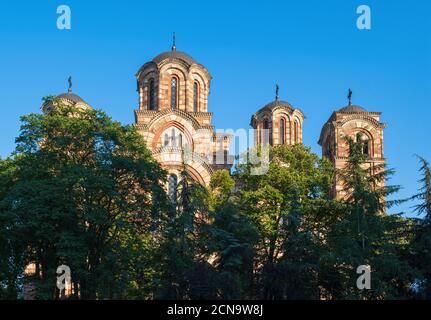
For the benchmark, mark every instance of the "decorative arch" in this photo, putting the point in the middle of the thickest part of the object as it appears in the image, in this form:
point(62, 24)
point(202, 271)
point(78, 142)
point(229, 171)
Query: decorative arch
point(172, 115)
point(159, 132)
point(172, 160)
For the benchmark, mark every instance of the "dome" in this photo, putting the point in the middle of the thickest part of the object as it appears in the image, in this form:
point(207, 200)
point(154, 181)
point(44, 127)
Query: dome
point(67, 98)
point(275, 104)
point(174, 55)
point(352, 109)
point(71, 97)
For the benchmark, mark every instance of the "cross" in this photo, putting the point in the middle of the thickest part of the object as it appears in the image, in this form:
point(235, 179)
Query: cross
point(349, 96)
point(174, 47)
point(70, 84)
point(276, 91)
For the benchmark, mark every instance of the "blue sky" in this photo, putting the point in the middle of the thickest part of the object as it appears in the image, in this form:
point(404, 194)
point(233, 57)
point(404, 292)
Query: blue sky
point(311, 48)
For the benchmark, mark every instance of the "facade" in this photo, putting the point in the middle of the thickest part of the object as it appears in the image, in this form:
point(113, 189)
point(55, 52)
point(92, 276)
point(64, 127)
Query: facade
point(174, 119)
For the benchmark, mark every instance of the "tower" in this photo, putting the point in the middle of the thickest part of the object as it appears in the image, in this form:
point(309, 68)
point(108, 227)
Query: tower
point(174, 120)
point(349, 121)
point(278, 122)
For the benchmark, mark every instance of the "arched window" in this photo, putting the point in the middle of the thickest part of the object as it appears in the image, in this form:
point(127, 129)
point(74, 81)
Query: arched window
point(282, 130)
point(174, 93)
point(173, 137)
point(366, 147)
point(172, 187)
point(265, 132)
point(151, 96)
point(195, 97)
point(295, 132)
point(166, 140)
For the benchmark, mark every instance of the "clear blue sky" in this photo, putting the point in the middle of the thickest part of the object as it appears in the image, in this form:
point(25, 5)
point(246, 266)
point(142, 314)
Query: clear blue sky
point(311, 48)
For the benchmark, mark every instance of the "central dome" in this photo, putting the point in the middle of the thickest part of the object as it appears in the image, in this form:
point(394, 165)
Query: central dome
point(174, 55)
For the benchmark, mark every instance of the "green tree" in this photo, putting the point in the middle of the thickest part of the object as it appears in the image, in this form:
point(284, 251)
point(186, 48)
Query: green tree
point(284, 207)
point(185, 270)
point(422, 239)
point(230, 239)
point(366, 235)
point(83, 194)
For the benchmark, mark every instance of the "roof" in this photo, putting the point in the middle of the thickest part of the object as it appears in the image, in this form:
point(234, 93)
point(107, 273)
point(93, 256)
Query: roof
point(352, 109)
point(174, 55)
point(71, 97)
point(276, 103)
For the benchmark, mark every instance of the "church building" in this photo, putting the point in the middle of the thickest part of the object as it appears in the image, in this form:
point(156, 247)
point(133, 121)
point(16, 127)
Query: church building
point(173, 118)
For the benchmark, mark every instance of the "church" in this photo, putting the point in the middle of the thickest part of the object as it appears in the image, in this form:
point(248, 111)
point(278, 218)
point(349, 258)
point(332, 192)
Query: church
point(173, 118)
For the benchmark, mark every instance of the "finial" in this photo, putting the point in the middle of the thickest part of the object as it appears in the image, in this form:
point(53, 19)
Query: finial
point(349, 96)
point(70, 84)
point(174, 47)
point(276, 91)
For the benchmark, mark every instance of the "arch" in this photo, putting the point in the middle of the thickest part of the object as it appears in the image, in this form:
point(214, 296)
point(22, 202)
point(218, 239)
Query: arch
point(183, 136)
point(368, 148)
point(178, 115)
point(173, 160)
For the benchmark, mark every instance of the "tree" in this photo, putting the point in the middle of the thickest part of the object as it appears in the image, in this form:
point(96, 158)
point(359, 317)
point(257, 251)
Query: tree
point(422, 239)
point(283, 205)
point(83, 194)
point(230, 239)
point(185, 270)
point(366, 235)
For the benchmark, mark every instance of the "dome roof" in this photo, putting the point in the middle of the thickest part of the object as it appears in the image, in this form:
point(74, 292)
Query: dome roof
point(174, 55)
point(71, 97)
point(352, 109)
point(276, 103)
point(67, 98)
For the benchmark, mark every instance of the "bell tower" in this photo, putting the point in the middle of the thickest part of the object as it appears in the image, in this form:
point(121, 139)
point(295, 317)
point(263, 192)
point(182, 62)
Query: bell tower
point(173, 116)
point(349, 121)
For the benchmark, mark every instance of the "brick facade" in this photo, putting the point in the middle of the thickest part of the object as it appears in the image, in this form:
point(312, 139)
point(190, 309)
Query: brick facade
point(349, 121)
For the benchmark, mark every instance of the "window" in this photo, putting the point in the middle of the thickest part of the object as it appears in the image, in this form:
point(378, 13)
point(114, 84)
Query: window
point(295, 133)
point(265, 132)
point(195, 97)
point(172, 187)
point(360, 136)
point(174, 93)
point(282, 130)
point(172, 137)
point(366, 147)
point(151, 96)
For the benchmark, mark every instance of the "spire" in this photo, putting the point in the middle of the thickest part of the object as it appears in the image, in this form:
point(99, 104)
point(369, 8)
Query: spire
point(349, 96)
point(69, 90)
point(276, 91)
point(174, 47)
